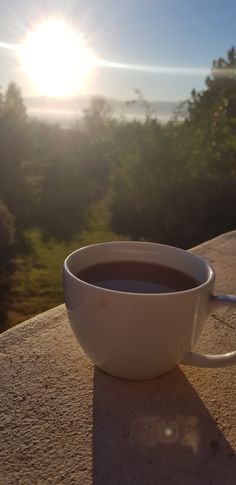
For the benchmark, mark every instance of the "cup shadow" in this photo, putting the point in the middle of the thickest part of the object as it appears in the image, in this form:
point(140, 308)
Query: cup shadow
point(156, 432)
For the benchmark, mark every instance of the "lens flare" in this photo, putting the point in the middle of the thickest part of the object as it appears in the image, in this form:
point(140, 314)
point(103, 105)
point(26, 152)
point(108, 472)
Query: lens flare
point(56, 58)
point(59, 62)
point(184, 71)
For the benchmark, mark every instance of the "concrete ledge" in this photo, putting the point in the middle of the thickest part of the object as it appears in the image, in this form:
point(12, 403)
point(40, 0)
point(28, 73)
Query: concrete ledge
point(64, 422)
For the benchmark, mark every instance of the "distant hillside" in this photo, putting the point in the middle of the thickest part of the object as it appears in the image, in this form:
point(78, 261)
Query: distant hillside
point(66, 110)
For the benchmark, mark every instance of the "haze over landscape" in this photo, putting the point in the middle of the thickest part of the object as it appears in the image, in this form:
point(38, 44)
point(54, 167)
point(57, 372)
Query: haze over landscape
point(67, 111)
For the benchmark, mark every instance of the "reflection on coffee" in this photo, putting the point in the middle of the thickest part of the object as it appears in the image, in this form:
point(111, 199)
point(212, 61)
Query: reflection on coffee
point(137, 277)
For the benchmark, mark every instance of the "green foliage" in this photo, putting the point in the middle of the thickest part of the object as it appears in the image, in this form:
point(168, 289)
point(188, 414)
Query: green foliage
point(177, 183)
point(7, 230)
point(36, 283)
point(15, 156)
point(107, 179)
point(211, 125)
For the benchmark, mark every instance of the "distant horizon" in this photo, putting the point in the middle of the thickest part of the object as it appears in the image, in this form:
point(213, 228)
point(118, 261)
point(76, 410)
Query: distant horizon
point(98, 95)
point(66, 111)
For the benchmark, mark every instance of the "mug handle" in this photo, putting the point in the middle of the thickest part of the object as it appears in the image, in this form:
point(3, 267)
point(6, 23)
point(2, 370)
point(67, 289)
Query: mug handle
point(218, 360)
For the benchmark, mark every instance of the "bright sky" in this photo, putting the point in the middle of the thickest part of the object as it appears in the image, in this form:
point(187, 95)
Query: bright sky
point(162, 47)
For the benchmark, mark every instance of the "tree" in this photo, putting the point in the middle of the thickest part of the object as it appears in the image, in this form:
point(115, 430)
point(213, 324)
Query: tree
point(15, 155)
point(210, 130)
point(96, 115)
point(13, 103)
point(7, 230)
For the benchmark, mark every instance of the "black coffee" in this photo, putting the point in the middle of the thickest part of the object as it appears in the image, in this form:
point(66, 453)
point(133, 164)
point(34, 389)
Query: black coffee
point(137, 277)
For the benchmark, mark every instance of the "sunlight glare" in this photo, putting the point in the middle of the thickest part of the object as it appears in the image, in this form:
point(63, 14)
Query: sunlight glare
point(56, 59)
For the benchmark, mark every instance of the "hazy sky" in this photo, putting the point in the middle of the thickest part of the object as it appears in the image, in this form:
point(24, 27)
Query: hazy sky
point(163, 33)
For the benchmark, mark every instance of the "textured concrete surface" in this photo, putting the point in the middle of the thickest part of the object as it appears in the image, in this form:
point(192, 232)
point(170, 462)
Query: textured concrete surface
point(64, 422)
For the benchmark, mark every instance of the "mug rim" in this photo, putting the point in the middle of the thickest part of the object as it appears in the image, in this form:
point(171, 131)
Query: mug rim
point(211, 276)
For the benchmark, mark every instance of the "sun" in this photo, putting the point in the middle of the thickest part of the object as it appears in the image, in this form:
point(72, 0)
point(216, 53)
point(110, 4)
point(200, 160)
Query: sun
point(56, 59)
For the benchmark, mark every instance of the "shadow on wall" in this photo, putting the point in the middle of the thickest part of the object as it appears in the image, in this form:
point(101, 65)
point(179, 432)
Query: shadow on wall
point(156, 432)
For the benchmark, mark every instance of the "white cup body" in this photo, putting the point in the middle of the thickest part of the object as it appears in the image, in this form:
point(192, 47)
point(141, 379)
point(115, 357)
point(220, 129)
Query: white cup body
point(136, 335)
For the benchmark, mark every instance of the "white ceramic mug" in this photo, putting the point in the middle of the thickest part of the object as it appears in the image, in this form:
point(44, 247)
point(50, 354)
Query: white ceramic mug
point(141, 335)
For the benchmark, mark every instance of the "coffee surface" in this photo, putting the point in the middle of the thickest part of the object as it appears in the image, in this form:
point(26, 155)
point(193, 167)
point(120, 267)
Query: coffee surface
point(137, 277)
